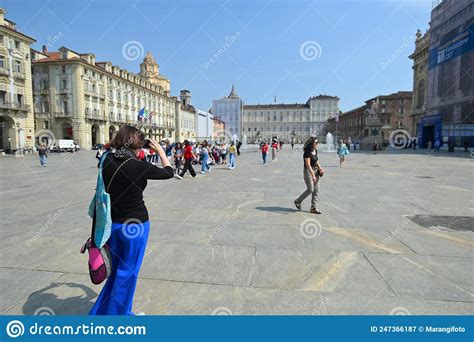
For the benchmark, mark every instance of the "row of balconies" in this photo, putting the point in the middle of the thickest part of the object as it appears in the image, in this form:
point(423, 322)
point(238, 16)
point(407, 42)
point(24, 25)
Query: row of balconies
point(101, 117)
point(14, 106)
point(16, 74)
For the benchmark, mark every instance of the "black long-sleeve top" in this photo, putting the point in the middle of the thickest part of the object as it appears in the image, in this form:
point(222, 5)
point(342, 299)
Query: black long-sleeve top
point(126, 189)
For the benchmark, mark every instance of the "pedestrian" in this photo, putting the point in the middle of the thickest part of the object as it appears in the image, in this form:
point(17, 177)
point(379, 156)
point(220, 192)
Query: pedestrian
point(375, 147)
point(178, 157)
point(281, 144)
point(124, 174)
point(205, 157)
point(274, 151)
point(312, 172)
point(189, 156)
point(216, 153)
point(437, 145)
point(43, 154)
point(342, 151)
point(239, 145)
point(429, 146)
point(223, 153)
point(292, 143)
point(264, 152)
point(232, 152)
point(385, 146)
point(414, 143)
point(466, 145)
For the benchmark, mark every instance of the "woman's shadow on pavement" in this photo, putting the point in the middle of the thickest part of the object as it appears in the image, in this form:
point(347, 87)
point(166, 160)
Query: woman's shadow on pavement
point(281, 210)
point(56, 299)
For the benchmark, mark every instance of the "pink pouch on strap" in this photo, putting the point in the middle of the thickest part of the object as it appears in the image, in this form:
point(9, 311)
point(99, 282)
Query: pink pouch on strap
point(100, 262)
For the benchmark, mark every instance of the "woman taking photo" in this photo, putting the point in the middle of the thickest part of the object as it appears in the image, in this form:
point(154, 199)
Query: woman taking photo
point(311, 173)
point(125, 178)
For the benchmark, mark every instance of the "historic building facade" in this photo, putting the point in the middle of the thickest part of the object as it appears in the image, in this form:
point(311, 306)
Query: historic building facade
point(229, 109)
point(185, 118)
point(375, 121)
point(218, 133)
point(289, 121)
point(450, 100)
point(420, 79)
point(17, 129)
point(78, 98)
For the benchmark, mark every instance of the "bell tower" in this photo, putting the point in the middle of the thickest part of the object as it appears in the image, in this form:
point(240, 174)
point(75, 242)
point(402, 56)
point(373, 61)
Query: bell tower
point(150, 71)
point(149, 68)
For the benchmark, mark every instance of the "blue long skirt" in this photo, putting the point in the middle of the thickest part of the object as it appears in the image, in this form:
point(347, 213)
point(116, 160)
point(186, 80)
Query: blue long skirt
point(127, 244)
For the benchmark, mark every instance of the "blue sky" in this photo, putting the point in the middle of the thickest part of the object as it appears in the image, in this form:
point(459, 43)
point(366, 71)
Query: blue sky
point(288, 49)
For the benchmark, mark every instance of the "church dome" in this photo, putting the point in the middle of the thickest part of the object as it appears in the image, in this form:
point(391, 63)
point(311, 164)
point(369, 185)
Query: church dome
point(149, 58)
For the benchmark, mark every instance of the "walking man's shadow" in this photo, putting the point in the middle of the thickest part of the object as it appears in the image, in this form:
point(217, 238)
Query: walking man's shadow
point(281, 210)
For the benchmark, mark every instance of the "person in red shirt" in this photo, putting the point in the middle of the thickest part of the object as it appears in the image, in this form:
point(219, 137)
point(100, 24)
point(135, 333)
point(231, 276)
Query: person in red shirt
point(274, 151)
point(188, 158)
point(264, 152)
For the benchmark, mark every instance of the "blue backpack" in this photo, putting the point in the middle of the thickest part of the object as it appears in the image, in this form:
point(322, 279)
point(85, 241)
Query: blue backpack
point(100, 207)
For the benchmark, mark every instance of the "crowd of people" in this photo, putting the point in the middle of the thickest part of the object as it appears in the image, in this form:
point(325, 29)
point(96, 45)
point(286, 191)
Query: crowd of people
point(183, 157)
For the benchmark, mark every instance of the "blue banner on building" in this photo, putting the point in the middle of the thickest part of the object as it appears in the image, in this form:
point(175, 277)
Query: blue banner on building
point(237, 328)
point(452, 48)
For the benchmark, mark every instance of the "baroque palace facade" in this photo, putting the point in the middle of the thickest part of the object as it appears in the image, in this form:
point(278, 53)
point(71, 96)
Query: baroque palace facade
point(76, 97)
point(288, 121)
point(16, 100)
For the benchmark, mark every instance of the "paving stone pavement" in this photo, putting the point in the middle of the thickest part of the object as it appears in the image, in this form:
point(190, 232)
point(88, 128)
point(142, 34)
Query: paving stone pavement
point(231, 242)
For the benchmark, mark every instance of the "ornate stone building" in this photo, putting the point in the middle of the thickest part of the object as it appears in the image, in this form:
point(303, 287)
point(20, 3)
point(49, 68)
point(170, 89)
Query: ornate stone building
point(450, 99)
point(218, 133)
point(16, 99)
point(375, 120)
point(229, 109)
point(288, 121)
point(420, 79)
point(150, 71)
point(78, 98)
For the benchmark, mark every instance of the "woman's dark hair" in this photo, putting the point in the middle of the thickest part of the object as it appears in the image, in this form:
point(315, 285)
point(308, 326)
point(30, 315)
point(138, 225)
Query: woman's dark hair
point(178, 144)
point(308, 145)
point(128, 137)
point(186, 143)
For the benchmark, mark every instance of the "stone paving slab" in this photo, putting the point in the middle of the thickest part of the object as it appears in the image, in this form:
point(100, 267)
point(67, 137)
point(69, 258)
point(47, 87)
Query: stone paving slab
point(18, 284)
point(205, 299)
point(439, 243)
point(428, 277)
point(198, 263)
point(357, 304)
